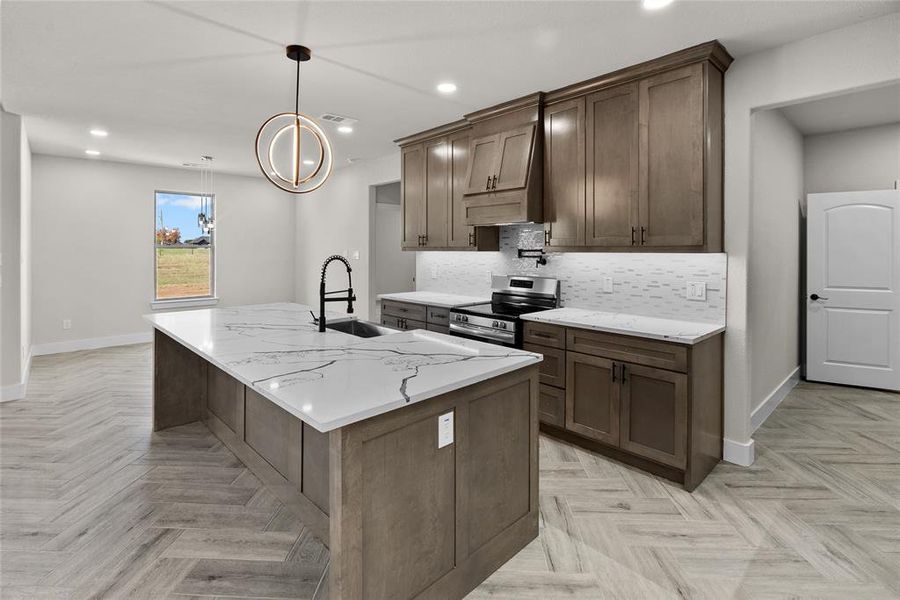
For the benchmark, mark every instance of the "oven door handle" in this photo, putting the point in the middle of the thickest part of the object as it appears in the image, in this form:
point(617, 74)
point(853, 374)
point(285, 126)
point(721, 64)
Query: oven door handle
point(508, 337)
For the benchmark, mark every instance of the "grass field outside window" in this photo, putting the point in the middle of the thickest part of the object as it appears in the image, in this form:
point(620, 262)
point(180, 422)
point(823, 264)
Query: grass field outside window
point(183, 251)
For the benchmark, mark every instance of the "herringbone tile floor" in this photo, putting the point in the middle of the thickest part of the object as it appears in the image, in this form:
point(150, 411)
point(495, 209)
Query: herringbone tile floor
point(94, 505)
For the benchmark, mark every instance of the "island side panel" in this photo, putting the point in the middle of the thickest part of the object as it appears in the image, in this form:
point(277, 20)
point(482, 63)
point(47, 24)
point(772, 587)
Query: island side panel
point(401, 506)
point(179, 383)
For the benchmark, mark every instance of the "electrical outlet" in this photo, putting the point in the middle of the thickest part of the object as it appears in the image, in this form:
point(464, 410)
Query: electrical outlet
point(696, 290)
point(354, 255)
point(607, 285)
point(67, 323)
point(434, 271)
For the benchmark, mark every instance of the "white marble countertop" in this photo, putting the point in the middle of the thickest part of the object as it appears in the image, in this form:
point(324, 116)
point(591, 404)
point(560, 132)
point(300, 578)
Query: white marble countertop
point(333, 379)
point(434, 299)
point(670, 330)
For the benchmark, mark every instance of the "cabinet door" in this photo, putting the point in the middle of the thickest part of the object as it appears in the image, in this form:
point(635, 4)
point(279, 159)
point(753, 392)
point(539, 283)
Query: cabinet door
point(514, 156)
point(412, 194)
point(654, 414)
point(482, 162)
point(592, 397)
point(457, 230)
point(671, 158)
point(612, 167)
point(437, 193)
point(564, 175)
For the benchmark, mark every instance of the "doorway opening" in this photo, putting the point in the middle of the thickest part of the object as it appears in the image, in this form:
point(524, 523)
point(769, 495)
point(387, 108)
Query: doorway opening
point(393, 270)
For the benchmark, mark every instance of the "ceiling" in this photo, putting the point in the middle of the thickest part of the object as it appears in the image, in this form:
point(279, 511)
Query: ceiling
point(865, 108)
point(172, 81)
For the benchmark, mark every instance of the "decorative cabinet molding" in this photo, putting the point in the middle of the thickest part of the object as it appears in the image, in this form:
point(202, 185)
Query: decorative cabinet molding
point(630, 161)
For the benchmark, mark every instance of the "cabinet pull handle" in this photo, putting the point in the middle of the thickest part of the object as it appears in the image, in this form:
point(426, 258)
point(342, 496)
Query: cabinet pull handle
point(643, 230)
point(425, 240)
point(613, 372)
point(488, 184)
point(471, 238)
point(494, 184)
point(623, 373)
point(632, 236)
point(546, 237)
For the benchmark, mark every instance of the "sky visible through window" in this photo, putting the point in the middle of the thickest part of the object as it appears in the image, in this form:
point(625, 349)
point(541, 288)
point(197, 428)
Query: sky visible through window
point(179, 210)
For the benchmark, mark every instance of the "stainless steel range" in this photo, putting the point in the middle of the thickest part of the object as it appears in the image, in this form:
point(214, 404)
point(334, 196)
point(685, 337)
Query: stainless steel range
point(498, 321)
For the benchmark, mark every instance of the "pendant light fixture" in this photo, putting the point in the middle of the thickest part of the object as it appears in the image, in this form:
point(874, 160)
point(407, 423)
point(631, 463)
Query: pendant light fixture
point(205, 218)
point(291, 149)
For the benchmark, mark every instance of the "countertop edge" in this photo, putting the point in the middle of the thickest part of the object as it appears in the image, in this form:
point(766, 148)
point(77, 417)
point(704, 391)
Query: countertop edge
point(691, 341)
point(393, 296)
point(527, 360)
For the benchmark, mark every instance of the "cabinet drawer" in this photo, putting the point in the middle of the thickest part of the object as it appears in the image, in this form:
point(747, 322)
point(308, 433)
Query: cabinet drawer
point(401, 322)
point(414, 312)
point(438, 328)
point(438, 316)
point(545, 335)
point(553, 367)
point(663, 355)
point(552, 405)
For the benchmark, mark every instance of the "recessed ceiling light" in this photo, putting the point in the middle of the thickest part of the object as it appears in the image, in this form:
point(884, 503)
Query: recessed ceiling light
point(345, 129)
point(656, 4)
point(309, 162)
point(446, 87)
point(92, 152)
point(99, 132)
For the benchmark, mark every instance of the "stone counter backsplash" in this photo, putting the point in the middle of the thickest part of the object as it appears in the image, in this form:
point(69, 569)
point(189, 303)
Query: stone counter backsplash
point(643, 283)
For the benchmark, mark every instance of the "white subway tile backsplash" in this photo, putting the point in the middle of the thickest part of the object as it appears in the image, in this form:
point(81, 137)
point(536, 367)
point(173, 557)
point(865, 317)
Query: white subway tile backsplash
point(643, 283)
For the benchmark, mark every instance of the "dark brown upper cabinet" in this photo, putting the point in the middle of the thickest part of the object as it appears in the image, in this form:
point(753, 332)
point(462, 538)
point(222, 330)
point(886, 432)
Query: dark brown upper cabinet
point(564, 173)
point(612, 159)
point(433, 168)
point(652, 157)
point(630, 161)
point(412, 194)
point(671, 205)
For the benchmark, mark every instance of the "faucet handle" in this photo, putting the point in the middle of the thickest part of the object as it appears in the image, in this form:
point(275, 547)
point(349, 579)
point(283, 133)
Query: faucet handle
point(314, 318)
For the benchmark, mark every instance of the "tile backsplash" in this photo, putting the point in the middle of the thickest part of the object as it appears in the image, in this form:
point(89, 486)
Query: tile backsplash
point(643, 283)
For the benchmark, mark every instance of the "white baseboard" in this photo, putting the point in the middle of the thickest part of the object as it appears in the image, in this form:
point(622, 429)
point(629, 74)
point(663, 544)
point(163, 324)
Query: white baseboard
point(92, 343)
point(12, 392)
point(768, 406)
point(739, 453)
point(17, 391)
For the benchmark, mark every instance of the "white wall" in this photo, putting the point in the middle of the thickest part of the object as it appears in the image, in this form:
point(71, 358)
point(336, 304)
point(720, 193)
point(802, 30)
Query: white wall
point(93, 244)
point(774, 257)
point(14, 193)
point(336, 219)
point(25, 258)
point(855, 57)
point(854, 160)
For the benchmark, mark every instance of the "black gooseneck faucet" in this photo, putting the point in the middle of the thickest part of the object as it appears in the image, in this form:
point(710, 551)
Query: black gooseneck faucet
point(322, 293)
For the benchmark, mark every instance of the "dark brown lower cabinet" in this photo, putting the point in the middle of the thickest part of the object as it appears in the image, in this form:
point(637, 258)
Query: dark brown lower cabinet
point(592, 397)
point(610, 393)
point(653, 423)
point(552, 405)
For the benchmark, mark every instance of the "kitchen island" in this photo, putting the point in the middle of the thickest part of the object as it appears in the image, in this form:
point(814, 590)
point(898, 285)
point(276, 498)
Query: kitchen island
point(412, 455)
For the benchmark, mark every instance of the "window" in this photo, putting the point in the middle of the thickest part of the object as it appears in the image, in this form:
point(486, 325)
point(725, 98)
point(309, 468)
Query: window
point(184, 254)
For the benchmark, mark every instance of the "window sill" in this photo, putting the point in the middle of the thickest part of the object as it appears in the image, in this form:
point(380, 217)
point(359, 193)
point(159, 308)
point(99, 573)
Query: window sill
point(183, 303)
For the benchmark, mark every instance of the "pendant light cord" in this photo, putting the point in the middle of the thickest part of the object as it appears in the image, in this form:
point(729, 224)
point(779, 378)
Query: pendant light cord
point(297, 92)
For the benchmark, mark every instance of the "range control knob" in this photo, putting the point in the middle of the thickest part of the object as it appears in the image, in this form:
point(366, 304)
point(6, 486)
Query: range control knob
point(503, 324)
point(495, 324)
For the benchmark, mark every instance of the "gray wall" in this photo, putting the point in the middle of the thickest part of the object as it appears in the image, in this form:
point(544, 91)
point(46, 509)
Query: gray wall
point(854, 160)
point(93, 244)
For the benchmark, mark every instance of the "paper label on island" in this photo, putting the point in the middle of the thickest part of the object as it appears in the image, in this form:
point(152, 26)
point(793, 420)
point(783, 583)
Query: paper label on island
point(445, 429)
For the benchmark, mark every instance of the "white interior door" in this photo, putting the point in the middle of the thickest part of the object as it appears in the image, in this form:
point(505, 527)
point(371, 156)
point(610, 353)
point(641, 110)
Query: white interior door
point(852, 280)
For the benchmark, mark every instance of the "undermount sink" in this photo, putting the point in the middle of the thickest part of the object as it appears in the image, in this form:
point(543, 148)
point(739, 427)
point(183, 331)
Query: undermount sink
point(362, 329)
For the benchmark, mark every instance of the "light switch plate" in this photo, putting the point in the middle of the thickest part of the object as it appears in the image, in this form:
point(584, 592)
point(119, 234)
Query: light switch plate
point(354, 255)
point(696, 290)
point(434, 271)
point(607, 285)
point(445, 429)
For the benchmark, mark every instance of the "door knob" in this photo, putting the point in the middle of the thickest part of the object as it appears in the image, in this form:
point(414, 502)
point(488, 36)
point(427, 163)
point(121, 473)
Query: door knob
point(816, 297)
